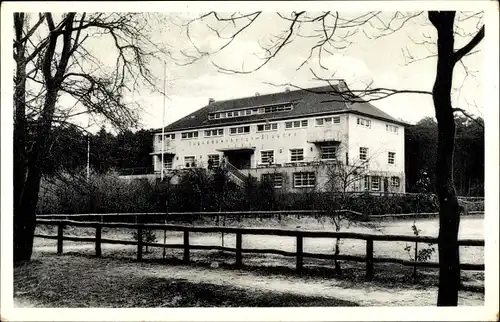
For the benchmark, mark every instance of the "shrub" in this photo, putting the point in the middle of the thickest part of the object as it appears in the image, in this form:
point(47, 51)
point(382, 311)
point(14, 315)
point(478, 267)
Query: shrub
point(208, 191)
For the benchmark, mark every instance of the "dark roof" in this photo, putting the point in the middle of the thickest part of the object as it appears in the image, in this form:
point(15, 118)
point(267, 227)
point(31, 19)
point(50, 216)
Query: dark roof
point(311, 101)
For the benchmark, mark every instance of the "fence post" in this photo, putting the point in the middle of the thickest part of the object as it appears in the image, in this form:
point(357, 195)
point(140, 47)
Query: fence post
point(369, 259)
point(139, 243)
point(415, 259)
point(300, 246)
point(238, 249)
point(60, 231)
point(98, 238)
point(186, 246)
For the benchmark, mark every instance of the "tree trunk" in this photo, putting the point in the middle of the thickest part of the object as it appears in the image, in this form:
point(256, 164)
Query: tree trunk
point(19, 133)
point(449, 213)
point(25, 206)
point(338, 267)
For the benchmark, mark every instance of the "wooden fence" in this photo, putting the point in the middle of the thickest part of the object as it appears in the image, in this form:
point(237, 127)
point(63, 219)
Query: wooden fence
point(299, 254)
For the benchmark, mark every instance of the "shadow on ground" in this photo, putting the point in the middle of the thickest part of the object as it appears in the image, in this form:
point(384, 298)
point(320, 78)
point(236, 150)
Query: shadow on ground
point(76, 281)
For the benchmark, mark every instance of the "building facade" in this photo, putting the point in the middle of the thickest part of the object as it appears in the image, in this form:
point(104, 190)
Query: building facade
point(300, 139)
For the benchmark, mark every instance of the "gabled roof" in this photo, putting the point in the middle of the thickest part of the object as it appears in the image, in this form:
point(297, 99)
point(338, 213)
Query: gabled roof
point(307, 102)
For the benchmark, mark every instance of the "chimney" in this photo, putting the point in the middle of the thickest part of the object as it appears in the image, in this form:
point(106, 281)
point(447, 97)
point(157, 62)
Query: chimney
point(211, 100)
point(287, 90)
point(257, 94)
point(342, 85)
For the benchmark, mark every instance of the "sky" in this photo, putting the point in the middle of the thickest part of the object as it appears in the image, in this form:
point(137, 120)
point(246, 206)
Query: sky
point(395, 61)
point(380, 61)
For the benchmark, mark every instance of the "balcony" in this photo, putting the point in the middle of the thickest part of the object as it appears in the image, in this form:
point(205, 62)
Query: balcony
point(324, 136)
point(168, 148)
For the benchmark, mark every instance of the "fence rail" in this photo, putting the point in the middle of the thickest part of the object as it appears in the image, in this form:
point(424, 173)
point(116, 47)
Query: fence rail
point(253, 213)
point(239, 232)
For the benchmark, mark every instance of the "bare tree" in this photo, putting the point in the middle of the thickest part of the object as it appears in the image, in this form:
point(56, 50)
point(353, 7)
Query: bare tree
point(54, 60)
point(329, 32)
point(341, 180)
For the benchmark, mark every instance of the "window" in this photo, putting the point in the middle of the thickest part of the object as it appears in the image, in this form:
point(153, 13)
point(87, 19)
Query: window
point(217, 115)
point(391, 157)
point(363, 153)
point(214, 132)
point(239, 130)
point(167, 136)
point(295, 124)
point(328, 120)
point(248, 112)
point(366, 182)
point(190, 135)
point(304, 179)
point(296, 155)
point(214, 159)
point(189, 162)
point(266, 156)
point(328, 152)
point(395, 181)
point(167, 163)
point(275, 178)
point(277, 108)
point(391, 128)
point(211, 116)
point(375, 183)
point(267, 127)
point(363, 122)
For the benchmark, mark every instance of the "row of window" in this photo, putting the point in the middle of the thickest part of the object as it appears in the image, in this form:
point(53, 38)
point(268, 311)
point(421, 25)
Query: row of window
point(251, 111)
point(376, 182)
point(363, 155)
point(363, 122)
point(274, 126)
point(300, 179)
point(391, 128)
point(327, 120)
point(190, 161)
point(296, 155)
point(245, 129)
point(308, 180)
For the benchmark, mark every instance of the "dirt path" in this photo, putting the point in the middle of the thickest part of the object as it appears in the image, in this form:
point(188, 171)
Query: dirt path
point(365, 294)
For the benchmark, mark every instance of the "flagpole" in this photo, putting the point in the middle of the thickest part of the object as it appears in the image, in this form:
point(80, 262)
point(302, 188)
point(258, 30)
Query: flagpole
point(88, 147)
point(163, 122)
point(163, 151)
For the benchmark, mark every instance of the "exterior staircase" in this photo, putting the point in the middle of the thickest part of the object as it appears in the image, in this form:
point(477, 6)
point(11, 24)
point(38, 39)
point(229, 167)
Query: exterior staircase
point(236, 175)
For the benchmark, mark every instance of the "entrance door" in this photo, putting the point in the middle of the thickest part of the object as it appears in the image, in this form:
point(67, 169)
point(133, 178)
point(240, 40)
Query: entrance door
point(240, 159)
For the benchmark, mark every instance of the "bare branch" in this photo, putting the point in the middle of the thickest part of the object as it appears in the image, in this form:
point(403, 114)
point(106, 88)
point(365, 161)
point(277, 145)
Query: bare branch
point(460, 53)
point(467, 115)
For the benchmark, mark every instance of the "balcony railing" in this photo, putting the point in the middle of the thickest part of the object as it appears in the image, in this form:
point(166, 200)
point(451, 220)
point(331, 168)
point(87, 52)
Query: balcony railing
point(135, 171)
point(324, 136)
point(168, 147)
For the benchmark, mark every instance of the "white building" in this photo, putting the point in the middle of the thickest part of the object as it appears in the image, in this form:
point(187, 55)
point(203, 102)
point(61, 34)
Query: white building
point(294, 136)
